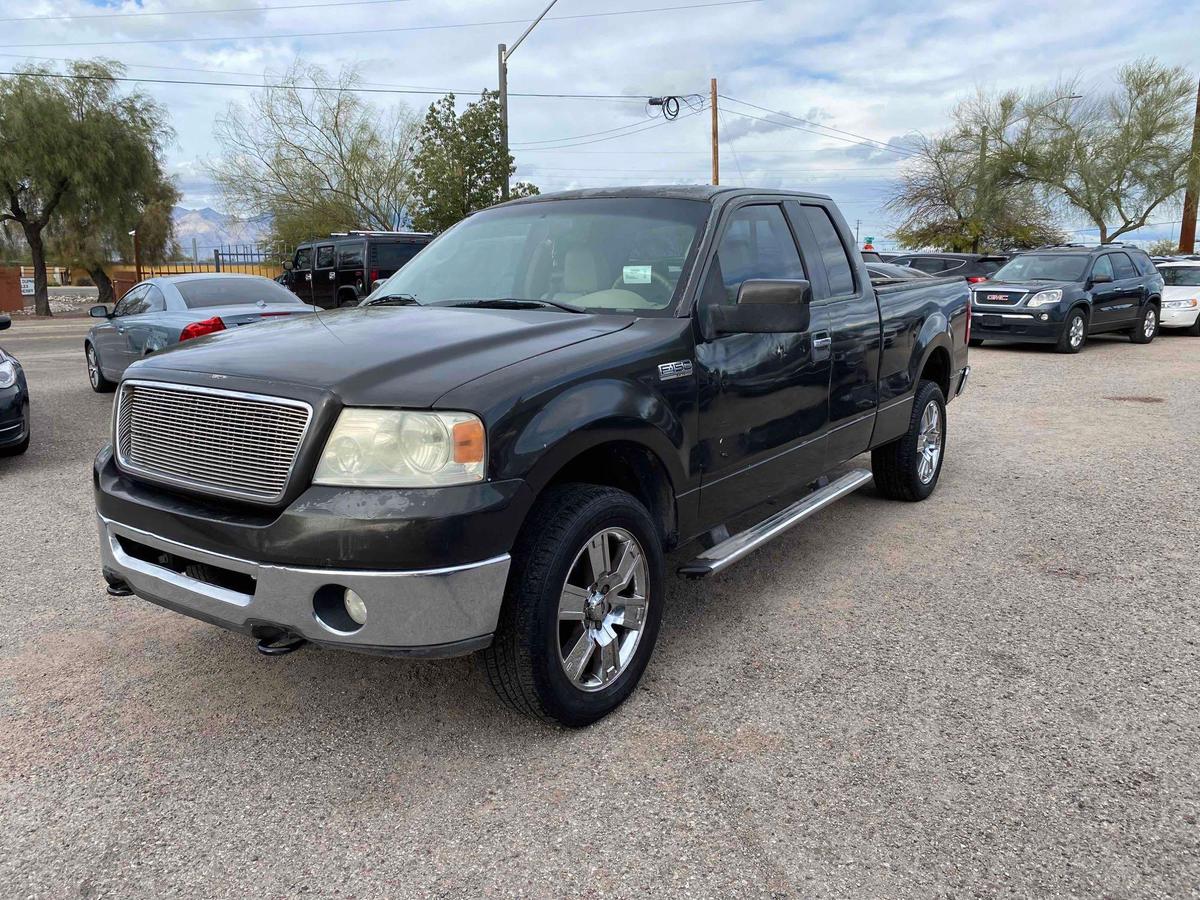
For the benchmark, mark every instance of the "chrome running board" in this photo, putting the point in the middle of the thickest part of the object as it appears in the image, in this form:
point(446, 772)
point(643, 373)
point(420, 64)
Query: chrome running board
point(732, 549)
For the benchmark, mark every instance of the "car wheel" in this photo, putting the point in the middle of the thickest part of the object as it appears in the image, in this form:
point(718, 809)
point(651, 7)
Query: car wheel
point(1194, 330)
point(100, 384)
point(1074, 333)
point(582, 609)
point(18, 449)
point(1147, 327)
point(908, 468)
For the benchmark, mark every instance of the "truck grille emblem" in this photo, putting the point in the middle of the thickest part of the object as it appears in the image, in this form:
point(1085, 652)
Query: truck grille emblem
point(679, 369)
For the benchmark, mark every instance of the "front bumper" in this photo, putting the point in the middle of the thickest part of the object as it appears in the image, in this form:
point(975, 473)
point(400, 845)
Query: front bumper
point(13, 425)
point(428, 613)
point(1016, 325)
point(1178, 318)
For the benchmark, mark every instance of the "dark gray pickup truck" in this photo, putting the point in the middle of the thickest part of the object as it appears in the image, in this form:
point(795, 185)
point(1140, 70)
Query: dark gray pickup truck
point(494, 451)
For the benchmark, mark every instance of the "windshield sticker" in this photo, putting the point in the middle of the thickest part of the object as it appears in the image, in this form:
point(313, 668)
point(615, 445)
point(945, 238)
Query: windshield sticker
point(636, 274)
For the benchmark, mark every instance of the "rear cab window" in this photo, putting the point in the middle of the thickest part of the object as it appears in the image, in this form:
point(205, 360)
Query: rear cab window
point(839, 271)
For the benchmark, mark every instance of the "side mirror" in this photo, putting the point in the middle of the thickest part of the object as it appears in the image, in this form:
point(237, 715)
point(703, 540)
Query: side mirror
point(1102, 279)
point(766, 306)
point(287, 265)
point(5, 322)
point(99, 312)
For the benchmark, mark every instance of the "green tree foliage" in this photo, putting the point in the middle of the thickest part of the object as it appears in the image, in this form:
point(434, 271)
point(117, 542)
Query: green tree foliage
point(1114, 157)
point(954, 195)
point(95, 219)
point(460, 164)
point(315, 157)
point(1163, 247)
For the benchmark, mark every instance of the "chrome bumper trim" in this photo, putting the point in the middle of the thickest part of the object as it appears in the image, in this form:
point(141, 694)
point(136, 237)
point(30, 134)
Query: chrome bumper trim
point(406, 610)
point(980, 315)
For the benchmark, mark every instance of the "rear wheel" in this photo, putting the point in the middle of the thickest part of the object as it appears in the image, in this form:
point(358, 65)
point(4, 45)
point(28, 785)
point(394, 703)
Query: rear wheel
point(100, 384)
point(1147, 327)
point(582, 609)
point(908, 468)
point(1074, 333)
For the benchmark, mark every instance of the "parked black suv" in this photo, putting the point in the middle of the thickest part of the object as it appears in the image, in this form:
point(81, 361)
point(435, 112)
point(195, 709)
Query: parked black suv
point(974, 267)
point(1061, 294)
point(340, 270)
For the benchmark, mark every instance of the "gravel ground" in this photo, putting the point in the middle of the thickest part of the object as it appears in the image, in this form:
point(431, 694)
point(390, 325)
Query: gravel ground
point(993, 692)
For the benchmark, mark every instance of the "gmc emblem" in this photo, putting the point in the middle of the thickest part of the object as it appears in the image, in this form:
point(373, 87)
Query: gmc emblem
point(997, 298)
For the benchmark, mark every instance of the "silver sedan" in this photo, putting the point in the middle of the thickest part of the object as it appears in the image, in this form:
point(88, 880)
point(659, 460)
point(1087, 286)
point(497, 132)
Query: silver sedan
point(159, 312)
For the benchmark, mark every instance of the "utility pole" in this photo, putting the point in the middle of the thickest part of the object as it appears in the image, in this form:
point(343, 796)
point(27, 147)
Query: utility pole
point(716, 152)
point(502, 55)
point(1191, 196)
point(137, 255)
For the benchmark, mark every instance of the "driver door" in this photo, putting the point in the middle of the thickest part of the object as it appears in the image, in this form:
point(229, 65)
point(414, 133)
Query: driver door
point(764, 398)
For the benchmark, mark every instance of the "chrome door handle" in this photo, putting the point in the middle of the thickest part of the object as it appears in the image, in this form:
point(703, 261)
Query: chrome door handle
point(822, 341)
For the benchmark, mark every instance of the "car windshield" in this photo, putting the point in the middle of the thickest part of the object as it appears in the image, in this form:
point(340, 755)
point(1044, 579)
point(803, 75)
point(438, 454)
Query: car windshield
point(1181, 276)
point(601, 255)
point(1043, 267)
point(205, 292)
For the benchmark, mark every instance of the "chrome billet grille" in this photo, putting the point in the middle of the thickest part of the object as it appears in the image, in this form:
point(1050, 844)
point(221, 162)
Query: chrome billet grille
point(215, 442)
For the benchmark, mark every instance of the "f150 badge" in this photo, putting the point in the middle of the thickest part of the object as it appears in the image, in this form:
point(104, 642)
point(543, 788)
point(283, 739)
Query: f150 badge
point(679, 369)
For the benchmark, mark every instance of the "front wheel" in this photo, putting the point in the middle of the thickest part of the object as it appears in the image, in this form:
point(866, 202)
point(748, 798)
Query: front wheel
point(1146, 328)
point(100, 384)
point(582, 609)
point(908, 468)
point(1074, 333)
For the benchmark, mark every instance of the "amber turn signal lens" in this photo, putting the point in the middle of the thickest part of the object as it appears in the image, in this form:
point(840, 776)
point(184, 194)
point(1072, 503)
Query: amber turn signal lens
point(468, 442)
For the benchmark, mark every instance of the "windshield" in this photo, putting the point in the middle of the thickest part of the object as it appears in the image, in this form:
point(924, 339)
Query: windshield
point(602, 255)
point(1181, 276)
point(1043, 267)
point(205, 292)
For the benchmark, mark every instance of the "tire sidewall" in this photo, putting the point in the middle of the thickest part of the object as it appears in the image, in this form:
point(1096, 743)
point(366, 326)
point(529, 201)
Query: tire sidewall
point(1066, 345)
point(928, 393)
point(563, 700)
point(1139, 333)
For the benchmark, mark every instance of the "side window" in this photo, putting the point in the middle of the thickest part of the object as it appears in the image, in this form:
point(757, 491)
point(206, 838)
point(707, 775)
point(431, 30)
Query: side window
point(1103, 266)
point(132, 303)
point(350, 256)
point(303, 258)
point(1143, 263)
point(1122, 266)
point(833, 252)
point(929, 264)
point(325, 257)
point(757, 244)
point(155, 301)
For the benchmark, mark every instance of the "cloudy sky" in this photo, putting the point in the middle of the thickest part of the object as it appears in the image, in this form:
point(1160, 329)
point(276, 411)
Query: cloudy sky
point(851, 78)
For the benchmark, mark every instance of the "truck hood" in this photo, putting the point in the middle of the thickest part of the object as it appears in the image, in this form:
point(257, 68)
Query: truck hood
point(381, 356)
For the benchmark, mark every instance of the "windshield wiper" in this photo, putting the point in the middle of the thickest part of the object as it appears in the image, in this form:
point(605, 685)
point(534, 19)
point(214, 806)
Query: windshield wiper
point(516, 303)
point(394, 300)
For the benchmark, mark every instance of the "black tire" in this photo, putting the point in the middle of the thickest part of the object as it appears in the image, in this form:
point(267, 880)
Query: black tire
point(1194, 329)
point(897, 465)
point(1147, 321)
point(347, 299)
point(100, 384)
point(1072, 340)
point(525, 663)
point(18, 449)
point(975, 342)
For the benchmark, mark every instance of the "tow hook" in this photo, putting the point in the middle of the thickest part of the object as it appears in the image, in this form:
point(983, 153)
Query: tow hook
point(268, 647)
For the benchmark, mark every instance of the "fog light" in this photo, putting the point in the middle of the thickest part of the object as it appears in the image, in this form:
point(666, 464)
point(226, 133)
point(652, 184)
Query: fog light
point(1045, 317)
point(356, 609)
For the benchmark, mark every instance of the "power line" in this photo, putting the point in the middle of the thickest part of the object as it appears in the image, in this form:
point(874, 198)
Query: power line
point(883, 145)
point(196, 12)
point(328, 34)
point(524, 144)
point(625, 134)
point(819, 133)
point(310, 87)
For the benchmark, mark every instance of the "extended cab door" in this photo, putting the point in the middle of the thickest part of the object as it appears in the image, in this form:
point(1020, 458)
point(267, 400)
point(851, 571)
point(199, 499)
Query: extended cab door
point(764, 398)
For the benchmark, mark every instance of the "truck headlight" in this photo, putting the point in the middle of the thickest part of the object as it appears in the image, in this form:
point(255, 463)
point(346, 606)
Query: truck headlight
point(402, 449)
point(1044, 298)
point(1190, 303)
point(8, 373)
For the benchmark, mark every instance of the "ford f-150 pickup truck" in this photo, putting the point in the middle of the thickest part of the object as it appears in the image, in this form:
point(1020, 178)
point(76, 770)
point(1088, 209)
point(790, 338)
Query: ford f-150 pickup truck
point(494, 450)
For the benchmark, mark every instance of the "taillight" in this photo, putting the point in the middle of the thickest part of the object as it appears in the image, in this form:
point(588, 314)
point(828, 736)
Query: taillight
point(374, 276)
point(200, 329)
point(975, 279)
point(968, 337)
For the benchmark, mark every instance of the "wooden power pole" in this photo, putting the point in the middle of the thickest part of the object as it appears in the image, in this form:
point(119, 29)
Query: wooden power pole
point(1191, 196)
point(716, 153)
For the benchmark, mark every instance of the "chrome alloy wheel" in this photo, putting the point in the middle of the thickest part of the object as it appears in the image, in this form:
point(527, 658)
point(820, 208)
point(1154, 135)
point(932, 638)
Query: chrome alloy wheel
point(929, 442)
point(602, 609)
point(1150, 323)
point(93, 367)
point(1076, 334)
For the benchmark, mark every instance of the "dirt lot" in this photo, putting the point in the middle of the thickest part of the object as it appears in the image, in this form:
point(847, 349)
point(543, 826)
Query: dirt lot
point(993, 692)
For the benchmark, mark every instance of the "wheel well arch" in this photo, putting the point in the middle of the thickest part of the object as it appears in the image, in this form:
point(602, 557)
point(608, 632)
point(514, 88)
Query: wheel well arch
point(631, 467)
point(937, 368)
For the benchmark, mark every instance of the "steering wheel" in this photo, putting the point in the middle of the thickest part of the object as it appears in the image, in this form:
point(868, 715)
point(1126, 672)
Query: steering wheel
point(655, 278)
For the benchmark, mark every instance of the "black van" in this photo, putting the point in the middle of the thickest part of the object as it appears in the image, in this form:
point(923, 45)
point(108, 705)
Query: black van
point(340, 269)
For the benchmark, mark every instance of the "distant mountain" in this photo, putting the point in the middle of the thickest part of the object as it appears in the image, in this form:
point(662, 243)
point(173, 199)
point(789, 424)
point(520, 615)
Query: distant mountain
point(211, 229)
